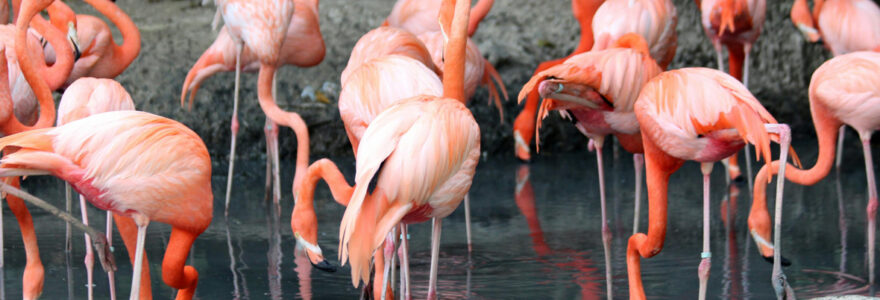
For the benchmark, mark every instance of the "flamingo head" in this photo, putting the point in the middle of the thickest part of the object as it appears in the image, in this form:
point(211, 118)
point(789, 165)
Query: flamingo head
point(575, 93)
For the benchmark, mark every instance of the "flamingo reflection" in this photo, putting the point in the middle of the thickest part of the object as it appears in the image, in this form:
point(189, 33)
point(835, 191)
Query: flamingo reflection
point(588, 276)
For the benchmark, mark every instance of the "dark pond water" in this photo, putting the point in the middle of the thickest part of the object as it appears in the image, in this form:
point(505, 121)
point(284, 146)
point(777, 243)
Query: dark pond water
point(543, 242)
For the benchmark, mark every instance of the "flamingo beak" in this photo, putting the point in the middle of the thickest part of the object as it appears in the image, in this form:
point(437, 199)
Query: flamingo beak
point(316, 257)
point(576, 93)
point(71, 36)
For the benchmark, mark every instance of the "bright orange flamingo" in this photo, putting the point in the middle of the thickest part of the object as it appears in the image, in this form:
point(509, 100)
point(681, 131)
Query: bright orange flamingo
point(381, 60)
point(262, 27)
point(844, 26)
point(845, 90)
point(597, 90)
point(678, 124)
point(85, 97)
point(419, 17)
point(135, 164)
point(40, 77)
point(735, 24)
point(413, 185)
point(100, 57)
point(524, 124)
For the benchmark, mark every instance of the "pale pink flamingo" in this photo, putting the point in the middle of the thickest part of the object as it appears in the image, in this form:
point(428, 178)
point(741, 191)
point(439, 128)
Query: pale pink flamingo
point(844, 26)
point(413, 185)
point(845, 90)
point(419, 17)
point(654, 20)
point(262, 27)
point(85, 97)
point(737, 25)
point(384, 41)
point(678, 124)
point(135, 164)
point(597, 90)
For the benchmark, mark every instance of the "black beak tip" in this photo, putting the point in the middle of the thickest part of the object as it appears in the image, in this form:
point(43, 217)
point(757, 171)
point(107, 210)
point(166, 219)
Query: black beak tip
point(325, 266)
point(784, 261)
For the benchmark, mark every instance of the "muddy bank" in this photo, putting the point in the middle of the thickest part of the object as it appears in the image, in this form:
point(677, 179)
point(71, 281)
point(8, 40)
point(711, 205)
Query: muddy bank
point(515, 37)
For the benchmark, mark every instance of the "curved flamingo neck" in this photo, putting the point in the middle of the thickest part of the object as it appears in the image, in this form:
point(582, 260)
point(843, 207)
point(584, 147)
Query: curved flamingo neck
point(453, 69)
point(123, 54)
point(480, 10)
point(281, 117)
point(40, 82)
point(817, 8)
point(60, 15)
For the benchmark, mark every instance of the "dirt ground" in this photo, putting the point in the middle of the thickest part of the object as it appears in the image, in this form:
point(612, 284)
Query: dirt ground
point(515, 37)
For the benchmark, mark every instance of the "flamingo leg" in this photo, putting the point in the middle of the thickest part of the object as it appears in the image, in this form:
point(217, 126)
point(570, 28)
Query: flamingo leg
point(718, 54)
point(783, 289)
point(606, 232)
point(276, 162)
point(90, 258)
point(840, 136)
point(436, 227)
point(234, 126)
point(111, 274)
point(388, 255)
point(706, 255)
point(404, 262)
point(745, 80)
point(68, 205)
point(142, 223)
point(638, 164)
point(872, 203)
point(272, 182)
point(467, 221)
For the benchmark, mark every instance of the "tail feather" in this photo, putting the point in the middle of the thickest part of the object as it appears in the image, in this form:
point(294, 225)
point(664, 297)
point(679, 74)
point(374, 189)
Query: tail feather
point(633, 41)
point(727, 15)
point(490, 74)
point(37, 139)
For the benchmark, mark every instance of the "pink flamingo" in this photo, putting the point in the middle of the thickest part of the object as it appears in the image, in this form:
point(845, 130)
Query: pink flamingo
point(262, 28)
point(395, 140)
point(85, 97)
point(677, 124)
point(135, 164)
point(735, 24)
point(843, 91)
point(419, 17)
point(597, 90)
point(654, 20)
point(844, 26)
point(524, 124)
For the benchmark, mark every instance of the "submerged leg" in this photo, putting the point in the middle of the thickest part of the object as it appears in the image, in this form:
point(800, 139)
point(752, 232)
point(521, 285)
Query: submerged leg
point(467, 221)
point(271, 131)
point(276, 163)
point(606, 232)
point(638, 164)
point(435, 257)
point(90, 258)
point(234, 126)
point(706, 255)
point(68, 205)
point(872, 203)
point(111, 274)
point(783, 289)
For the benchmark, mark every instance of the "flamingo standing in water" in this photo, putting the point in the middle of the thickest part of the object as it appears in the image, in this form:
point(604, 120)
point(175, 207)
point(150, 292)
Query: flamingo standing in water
point(414, 185)
point(381, 60)
point(845, 90)
point(844, 26)
point(136, 164)
point(262, 28)
point(85, 97)
point(597, 90)
point(737, 25)
point(678, 124)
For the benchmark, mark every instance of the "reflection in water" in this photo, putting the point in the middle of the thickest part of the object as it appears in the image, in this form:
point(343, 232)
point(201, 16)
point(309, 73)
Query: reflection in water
point(732, 281)
point(587, 277)
point(274, 254)
point(68, 257)
point(236, 294)
point(303, 273)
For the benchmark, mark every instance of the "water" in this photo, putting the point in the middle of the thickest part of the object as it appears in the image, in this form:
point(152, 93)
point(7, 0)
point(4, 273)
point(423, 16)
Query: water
point(543, 242)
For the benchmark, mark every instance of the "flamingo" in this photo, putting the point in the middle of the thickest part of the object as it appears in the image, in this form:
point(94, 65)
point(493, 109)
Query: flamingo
point(101, 57)
point(843, 91)
point(40, 77)
point(432, 182)
point(678, 124)
point(844, 26)
point(419, 17)
point(85, 97)
point(580, 88)
point(261, 27)
point(524, 124)
point(735, 24)
point(136, 164)
point(379, 62)
point(654, 20)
